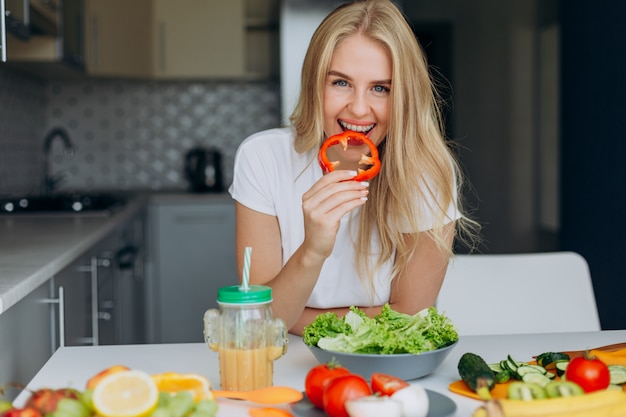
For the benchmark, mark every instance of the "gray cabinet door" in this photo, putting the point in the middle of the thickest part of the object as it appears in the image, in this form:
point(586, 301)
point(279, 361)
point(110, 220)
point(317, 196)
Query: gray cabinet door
point(193, 255)
point(26, 337)
point(104, 290)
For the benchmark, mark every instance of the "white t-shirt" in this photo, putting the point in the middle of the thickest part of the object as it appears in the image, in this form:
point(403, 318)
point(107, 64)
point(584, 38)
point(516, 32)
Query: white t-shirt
point(270, 177)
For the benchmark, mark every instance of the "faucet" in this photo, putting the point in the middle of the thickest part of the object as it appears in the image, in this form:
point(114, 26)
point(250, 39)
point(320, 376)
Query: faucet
point(50, 181)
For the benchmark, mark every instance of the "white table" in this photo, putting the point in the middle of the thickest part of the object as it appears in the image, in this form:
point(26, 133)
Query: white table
point(72, 366)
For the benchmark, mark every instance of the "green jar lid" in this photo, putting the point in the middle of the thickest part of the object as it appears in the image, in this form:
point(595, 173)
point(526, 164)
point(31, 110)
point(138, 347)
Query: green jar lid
point(235, 294)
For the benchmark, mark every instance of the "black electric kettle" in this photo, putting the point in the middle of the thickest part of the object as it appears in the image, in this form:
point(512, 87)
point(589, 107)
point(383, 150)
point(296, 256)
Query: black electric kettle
point(203, 169)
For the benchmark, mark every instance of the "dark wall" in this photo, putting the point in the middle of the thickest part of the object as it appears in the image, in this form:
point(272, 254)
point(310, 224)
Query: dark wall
point(593, 147)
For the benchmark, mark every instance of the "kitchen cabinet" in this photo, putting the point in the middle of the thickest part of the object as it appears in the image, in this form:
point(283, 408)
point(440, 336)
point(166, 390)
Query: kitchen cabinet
point(198, 38)
point(151, 39)
point(26, 342)
point(117, 37)
point(192, 255)
point(163, 39)
point(55, 47)
point(104, 290)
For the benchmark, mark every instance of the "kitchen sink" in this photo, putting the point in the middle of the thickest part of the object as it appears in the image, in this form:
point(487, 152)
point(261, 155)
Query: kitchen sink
point(62, 205)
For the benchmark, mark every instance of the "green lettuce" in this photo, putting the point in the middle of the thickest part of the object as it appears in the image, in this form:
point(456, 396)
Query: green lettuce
point(389, 332)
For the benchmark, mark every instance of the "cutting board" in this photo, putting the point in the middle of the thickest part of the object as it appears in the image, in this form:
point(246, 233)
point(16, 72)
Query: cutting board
point(500, 390)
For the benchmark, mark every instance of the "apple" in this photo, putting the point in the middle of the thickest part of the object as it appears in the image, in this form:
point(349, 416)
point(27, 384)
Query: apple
point(94, 380)
point(22, 412)
point(46, 399)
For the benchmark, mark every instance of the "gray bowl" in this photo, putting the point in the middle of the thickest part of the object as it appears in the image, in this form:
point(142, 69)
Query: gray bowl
point(406, 365)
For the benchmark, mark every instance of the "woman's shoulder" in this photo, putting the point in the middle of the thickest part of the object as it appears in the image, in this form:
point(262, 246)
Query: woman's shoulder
point(283, 135)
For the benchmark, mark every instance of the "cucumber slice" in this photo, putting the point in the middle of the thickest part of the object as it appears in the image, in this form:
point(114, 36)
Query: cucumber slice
point(618, 374)
point(538, 368)
point(536, 378)
point(502, 375)
point(495, 367)
point(528, 369)
point(525, 391)
point(563, 389)
point(504, 364)
point(547, 359)
point(514, 364)
point(560, 367)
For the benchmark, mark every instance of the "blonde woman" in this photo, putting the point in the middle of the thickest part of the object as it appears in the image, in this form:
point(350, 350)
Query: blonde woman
point(324, 242)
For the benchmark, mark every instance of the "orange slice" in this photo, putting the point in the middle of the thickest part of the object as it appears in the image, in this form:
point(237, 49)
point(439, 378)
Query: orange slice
point(130, 393)
point(172, 382)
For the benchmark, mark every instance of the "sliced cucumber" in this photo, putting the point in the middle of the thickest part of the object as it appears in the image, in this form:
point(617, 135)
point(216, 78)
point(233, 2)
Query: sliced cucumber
point(536, 378)
point(560, 367)
point(514, 364)
point(502, 375)
point(504, 364)
point(538, 368)
point(495, 367)
point(618, 374)
point(547, 359)
point(529, 369)
point(525, 391)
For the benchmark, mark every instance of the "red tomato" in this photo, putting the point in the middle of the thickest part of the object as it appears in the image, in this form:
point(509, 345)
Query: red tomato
point(590, 373)
point(342, 389)
point(387, 384)
point(318, 378)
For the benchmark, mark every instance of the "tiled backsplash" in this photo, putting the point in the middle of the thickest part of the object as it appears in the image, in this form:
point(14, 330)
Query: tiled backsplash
point(126, 134)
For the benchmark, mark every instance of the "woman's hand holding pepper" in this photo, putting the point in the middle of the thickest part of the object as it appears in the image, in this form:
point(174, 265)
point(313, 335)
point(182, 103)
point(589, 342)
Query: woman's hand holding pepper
point(323, 206)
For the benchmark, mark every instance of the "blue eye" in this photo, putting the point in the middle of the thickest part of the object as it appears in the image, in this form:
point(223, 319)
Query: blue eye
point(381, 89)
point(341, 83)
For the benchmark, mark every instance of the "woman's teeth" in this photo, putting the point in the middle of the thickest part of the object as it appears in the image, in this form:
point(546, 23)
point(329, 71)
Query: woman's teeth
point(357, 128)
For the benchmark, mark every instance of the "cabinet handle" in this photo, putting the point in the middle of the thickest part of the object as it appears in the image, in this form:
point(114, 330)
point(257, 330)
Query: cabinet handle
point(162, 46)
point(60, 302)
point(92, 269)
point(95, 37)
point(3, 32)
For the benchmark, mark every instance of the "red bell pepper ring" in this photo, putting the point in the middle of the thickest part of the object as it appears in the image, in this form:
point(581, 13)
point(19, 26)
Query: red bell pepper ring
point(343, 138)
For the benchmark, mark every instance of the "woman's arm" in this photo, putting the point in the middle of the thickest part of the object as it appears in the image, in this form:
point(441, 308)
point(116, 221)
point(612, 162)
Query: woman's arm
point(417, 287)
point(323, 206)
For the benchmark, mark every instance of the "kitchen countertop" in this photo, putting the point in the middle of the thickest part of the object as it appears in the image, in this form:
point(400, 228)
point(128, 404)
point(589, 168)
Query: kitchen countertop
point(35, 248)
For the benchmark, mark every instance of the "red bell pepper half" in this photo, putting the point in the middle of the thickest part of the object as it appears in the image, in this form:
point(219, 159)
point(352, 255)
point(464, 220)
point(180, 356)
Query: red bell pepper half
point(343, 138)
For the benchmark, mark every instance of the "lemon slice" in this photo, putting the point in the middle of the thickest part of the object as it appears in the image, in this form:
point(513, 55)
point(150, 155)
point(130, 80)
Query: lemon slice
point(130, 393)
point(172, 382)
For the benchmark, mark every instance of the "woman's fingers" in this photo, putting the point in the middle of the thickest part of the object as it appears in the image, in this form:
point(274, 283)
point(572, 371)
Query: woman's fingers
point(326, 203)
point(334, 196)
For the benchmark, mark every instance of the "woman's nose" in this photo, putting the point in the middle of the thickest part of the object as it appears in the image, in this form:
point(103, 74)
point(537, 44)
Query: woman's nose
point(359, 104)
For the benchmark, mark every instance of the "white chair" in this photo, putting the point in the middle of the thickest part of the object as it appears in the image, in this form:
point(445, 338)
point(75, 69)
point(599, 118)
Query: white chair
point(519, 293)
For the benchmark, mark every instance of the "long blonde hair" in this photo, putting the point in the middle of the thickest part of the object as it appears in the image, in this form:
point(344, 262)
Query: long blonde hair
point(417, 164)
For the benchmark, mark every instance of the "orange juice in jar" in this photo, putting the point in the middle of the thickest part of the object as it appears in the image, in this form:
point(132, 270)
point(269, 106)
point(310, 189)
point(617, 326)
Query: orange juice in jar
point(246, 336)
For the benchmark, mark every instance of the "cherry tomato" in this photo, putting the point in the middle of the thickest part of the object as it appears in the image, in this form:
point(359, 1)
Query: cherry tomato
point(590, 373)
point(318, 378)
point(342, 389)
point(387, 384)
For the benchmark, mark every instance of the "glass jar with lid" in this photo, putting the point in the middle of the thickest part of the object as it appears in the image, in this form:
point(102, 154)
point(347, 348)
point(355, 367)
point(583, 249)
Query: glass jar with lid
point(246, 335)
